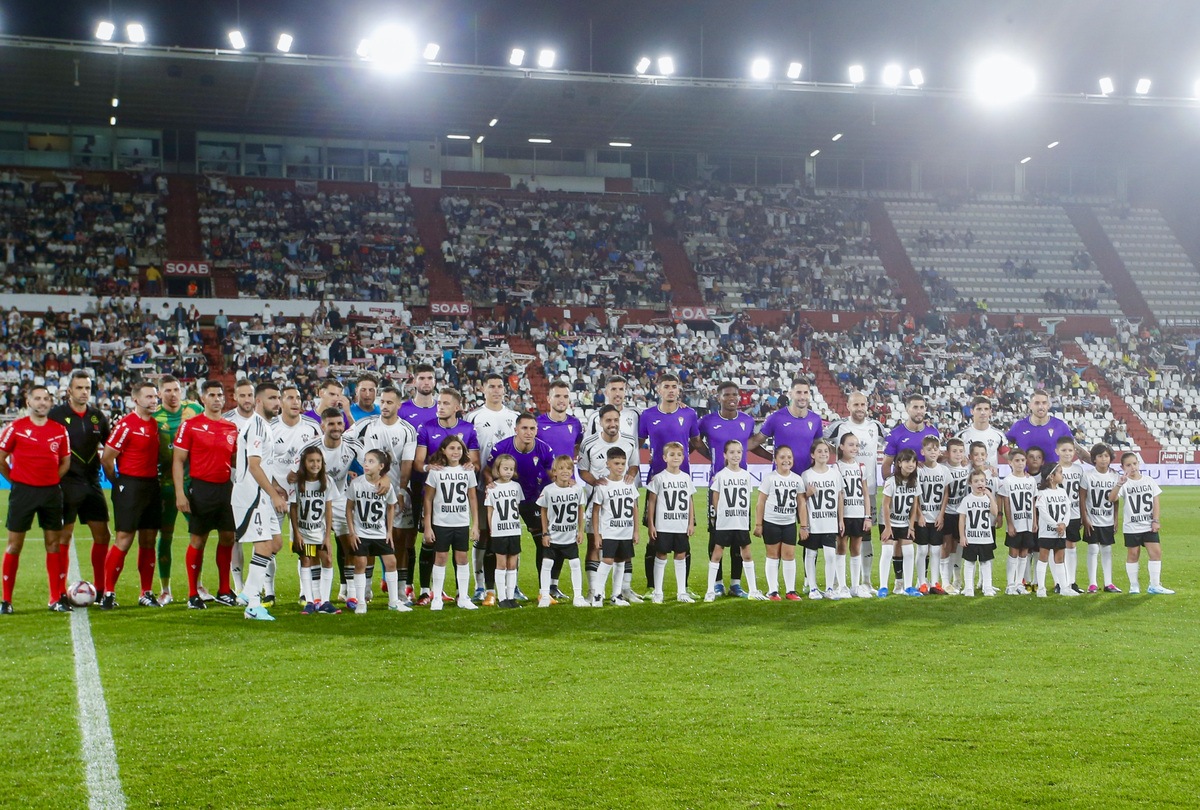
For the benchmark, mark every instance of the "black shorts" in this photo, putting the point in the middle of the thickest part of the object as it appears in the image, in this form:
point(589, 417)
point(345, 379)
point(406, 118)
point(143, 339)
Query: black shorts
point(84, 502)
point(555, 552)
point(1141, 539)
point(899, 534)
point(712, 511)
point(531, 514)
point(211, 506)
point(137, 504)
point(815, 542)
point(927, 535)
point(1101, 535)
point(1022, 540)
point(978, 552)
point(950, 527)
point(1052, 543)
point(25, 501)
point(773, 534)
point(731, 538)
point(508, 545)
point(451, 537)
point(617, 549)
point(854, 527)
point(372, 547)
point(416, 495)
point(672, 543)
point(1074, 530)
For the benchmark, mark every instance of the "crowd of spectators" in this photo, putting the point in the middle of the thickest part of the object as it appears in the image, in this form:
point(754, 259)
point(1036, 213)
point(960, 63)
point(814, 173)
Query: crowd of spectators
point(579, 252)
point(781, 248)
point(283, 244)
point(60, 236)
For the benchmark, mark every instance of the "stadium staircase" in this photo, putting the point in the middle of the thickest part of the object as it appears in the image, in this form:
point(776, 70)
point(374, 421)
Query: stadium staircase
point(827, 385)
point(895, 259)
point(431, 226)
point(1139, 433)
point(1185, 233)
point(677, 267)
point(539, 385)
point(1109, 262)
point(183, 233)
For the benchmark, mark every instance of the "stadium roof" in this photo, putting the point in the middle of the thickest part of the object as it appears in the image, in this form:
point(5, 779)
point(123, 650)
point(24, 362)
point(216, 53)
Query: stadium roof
point(170, 88)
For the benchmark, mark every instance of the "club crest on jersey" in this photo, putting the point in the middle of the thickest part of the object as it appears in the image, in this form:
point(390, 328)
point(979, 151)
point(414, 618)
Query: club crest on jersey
point(53, 447)
point(681, 421)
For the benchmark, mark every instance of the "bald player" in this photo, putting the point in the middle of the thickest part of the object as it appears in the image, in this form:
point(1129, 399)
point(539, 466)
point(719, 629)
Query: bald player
point(871, 437)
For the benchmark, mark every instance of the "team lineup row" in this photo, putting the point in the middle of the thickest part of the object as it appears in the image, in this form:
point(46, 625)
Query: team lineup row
point(359, 482)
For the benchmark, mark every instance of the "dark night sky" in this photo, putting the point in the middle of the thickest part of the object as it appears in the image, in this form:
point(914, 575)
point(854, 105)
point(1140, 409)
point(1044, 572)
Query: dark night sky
point(1070, 43)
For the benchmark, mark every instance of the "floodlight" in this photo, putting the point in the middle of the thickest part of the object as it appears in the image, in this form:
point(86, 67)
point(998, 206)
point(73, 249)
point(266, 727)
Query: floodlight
point(539, 140)
point(793, 71)
point(112, 121)
point(857, 74)
point(666, 65)
point(837, 137)
point(545, 59)
point(284, 44)
point(116, 102)
point(1052, 144)
point(1025, 160)
point(459, 137)
point(135, 33)
point(517, 57)
point(105, 31)
point(493, 122)
point(760, 68)
point(237, 40)
point(917, 77)
point(620, 144)
point(1106, 86)
point(814, 153)
point(390, 48)
point(891, 75)
point(479, 139)
point(1001, 79)
point(642, 66)
point(1143, 87)
point(431, 51)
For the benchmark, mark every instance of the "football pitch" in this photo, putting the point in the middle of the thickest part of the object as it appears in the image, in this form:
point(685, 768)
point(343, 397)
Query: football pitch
point(940, 701)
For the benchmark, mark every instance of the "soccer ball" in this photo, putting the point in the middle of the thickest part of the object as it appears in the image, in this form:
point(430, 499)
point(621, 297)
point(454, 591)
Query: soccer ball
point(82, 593)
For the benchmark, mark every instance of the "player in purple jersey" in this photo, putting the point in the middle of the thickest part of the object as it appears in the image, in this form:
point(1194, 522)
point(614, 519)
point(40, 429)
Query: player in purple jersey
point(716, 428)
point(667, 422)
point(534, 459)
point(908, 434)
point(417, 411)
point(331, 395)
point(1040, 429)
point(429, 438)
point(559, 429)
point(794, 426)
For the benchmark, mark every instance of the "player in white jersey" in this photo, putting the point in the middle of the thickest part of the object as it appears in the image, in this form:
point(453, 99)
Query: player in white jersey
point(451, 517)
point(671, 520)
point(775, 521)
point(1072, 473)
point(934, 480)
point(341, 454)
point(614, 515)
point(1140, 523)
point(732, 489)
point(902, 515)
point(614, 394)
point(503, 504)
point(312, 500)
point(956, 489)
point(593, 471)
point(562, 503)
point(243, 393)
point(290, 432)
point(981, 430)
point(1053, 513)
point(370, 507)
point(493, 423)
point(1017, 494)
point(871, 438)
point(856, 519)
point(256, 502)
point(1098, 515)
point(398, 439)
point(976, 519)
point(821, 522)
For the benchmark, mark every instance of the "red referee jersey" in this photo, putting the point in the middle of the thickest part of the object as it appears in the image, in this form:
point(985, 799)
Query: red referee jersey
point(211, 445)
point(36, 451)
point(136, 440)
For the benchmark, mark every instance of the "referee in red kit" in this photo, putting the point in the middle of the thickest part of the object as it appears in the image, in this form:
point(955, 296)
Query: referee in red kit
point(34, 455)
point(131, 463)
point(207, 444)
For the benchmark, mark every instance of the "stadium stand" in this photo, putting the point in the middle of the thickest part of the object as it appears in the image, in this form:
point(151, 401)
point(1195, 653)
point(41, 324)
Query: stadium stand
point(62, 236)
point(282, 244)
point(781, 248)
point(1001, 256)
point(1162, 271)
point(567, 250)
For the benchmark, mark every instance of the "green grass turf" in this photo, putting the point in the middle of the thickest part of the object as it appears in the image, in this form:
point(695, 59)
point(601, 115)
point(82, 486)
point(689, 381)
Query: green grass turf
point(985, 703)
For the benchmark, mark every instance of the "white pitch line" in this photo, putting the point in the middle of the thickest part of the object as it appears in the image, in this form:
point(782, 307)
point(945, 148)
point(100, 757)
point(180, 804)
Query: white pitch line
point(98, 751)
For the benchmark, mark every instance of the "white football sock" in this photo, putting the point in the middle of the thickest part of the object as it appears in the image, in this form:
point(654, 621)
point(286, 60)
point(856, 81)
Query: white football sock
point(946, 570)
point(326, 583)
point(627, 584)
point(1010, 570)
point(600, 579)
point(856, 570)
point(885, 563)
point(618, 577)
point(360, 587)
point(919, 556)
point(393, 583)
point(437, 583)
point(985, 575)
point(1106, 564)
point(1155, 569)
point(713, 568)
point(748, 573)
point(680, 576)
point(969, 576)
point(956, 563)
point(1093, 558)
point(789, 574)
point(907, 555)
point(660, 571)
point(512, 583)
point(254, 580)
point(306, 585)
point(477, 557)
point(772, 574)
point(830, 554)
point(1131, 571)
point(462, 576)
point(810, 570)
point(269, 579)
point(839, 570)
point(1040, 574)
point(1059, 571)
point(576, 578)
point(1027, 571)
point(935, 565)
point(867, 557)
point(501, 585)
point(1071, 565)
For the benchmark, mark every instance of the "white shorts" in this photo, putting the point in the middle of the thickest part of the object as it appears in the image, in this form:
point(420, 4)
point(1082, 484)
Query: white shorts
point(404, 513)
point(340, 529)
point(255, 521)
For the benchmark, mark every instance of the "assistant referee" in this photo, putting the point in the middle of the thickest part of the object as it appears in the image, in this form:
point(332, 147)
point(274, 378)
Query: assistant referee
point(207, 445)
